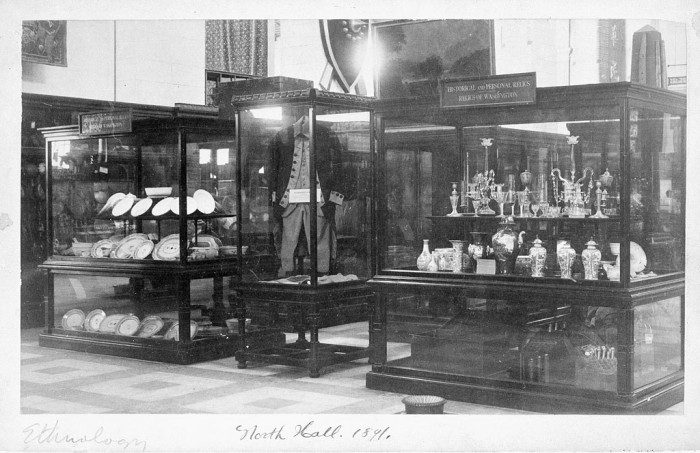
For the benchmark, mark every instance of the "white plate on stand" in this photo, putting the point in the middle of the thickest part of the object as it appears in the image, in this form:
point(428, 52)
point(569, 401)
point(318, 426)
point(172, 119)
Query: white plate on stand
point(205, 202)
point(142, 207)
point(111, 201)
point(162, 207)
point(123, 206)
point(191, 205)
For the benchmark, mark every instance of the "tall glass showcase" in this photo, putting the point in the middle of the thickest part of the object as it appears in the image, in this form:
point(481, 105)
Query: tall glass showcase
point(532, 256)
point(304, 198)
point(142, 232)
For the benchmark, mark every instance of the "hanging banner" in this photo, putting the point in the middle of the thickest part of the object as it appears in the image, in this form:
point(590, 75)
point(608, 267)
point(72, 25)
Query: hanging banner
point(493, 90)
point(106, 123)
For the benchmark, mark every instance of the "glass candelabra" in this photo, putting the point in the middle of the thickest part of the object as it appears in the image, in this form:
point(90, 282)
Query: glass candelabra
point(573, 196)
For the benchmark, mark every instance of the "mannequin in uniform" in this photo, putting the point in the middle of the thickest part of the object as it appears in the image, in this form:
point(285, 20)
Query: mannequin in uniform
point(289, 173)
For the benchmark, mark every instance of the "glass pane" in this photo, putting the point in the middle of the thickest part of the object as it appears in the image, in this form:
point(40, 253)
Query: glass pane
point(276, 190)
point(99, 303)
point(546, 343)
point(211, 195)
point(657, 340)
point(657, 197)
point(86, 174)
point(557, 181)
point(410, 62)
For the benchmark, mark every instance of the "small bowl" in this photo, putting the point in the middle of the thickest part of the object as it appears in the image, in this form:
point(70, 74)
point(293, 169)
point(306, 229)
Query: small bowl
point(615, 248)
point(159, 191)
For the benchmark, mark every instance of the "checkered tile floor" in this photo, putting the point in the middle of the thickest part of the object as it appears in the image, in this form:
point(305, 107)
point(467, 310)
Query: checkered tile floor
point(56, 381)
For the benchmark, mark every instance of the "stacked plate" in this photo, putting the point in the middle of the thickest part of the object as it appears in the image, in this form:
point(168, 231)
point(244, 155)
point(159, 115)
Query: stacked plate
point(168, 249)
point(103, 248)
point(126, 247)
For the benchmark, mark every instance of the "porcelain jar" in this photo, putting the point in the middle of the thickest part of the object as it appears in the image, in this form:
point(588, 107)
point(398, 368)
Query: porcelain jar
point(538, 256)
point(565, 257)
point(591, 260)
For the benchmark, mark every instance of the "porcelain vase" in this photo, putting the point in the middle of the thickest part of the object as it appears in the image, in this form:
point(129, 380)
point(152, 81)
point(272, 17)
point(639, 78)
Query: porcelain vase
point(424, 258)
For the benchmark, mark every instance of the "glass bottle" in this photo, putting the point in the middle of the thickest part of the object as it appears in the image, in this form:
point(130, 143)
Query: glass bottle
point(424, 258)
point(538, 256)
point(591, 260)
point(433, 264)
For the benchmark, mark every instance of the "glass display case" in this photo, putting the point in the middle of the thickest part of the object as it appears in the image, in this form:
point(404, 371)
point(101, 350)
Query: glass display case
point(533, 255)
point(142, 232)
point(320, 239)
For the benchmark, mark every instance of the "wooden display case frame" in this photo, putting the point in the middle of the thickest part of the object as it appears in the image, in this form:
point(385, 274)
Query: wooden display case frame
point(624, 296)
point(186, 350)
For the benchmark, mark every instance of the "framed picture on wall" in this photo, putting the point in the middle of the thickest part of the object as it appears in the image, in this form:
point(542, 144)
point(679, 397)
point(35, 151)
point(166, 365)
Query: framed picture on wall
point(44, 41)
point(410, 56)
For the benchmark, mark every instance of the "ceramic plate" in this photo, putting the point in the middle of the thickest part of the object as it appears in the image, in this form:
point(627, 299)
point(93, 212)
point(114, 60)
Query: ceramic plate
point(141, 207)
point(73, 319)
point(191, 205)
point(150, 326)
point(109, 323)
point(93, 320)
point(127, 326)
point(111, 201)
point(143, 250)
point(167, 249)
point(173, 332)
point(123, 206)
point(205, 202)
point(162, 207)
point(125, 248)
point(101, 249)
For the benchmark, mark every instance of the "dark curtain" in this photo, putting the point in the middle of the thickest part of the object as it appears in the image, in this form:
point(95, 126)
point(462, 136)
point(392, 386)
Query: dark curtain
point(237, 46)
